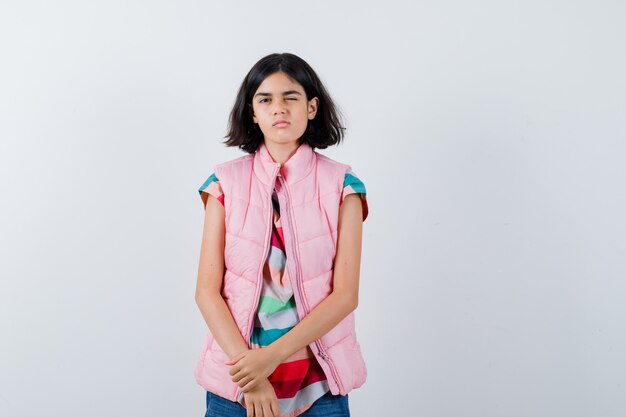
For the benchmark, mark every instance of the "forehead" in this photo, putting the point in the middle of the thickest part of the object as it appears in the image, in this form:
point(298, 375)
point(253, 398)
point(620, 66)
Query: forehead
point(278, 82)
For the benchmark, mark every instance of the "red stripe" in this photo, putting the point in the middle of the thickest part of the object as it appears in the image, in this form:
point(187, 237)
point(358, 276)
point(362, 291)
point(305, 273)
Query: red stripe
point(316, 373)
point(282, 237)
point(291, 370)
point(277, 241)
point(289, 388)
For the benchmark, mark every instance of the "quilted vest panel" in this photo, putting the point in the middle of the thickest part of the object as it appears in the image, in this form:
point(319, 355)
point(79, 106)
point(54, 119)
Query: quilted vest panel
point(309, 188)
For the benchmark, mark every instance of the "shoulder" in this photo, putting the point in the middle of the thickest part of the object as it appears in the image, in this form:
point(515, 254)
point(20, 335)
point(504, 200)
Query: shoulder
point(348, 176)
point(234, 163)
point(214, 184)
point(234, 171)
point(330, 171)
point(350, 182)
point(330, 163)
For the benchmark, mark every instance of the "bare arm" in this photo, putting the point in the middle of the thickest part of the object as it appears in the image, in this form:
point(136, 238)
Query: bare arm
point(216, 312)
point(210, 275)
point(251, 366)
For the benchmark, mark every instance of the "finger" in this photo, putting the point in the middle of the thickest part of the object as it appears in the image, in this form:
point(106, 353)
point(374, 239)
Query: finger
point(250, 410)
point(237, 377)
point(234, 369)
point(242, 384)
point(242, 379)
point(258, 410)
point(275, 407)
point(247, 384)
point(267, 410)
point(234, 359)
point(239, 374)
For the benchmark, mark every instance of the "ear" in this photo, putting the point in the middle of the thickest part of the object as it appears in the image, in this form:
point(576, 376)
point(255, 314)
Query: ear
point(312, 110)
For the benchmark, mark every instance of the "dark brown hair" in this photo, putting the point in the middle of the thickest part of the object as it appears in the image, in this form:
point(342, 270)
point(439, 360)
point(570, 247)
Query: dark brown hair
point(324, 130)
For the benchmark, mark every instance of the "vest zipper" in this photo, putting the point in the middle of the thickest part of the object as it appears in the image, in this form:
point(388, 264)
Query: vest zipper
point(260, 275)
point(299, 286)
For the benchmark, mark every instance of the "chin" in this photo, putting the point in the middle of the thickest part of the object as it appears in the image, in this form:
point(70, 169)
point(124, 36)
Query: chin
point(283, 141)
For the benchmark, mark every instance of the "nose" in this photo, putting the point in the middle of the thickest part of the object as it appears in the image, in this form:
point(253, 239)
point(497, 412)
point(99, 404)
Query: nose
point(279, 107)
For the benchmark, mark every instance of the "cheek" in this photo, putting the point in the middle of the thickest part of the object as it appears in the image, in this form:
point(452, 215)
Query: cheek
point(304, 114)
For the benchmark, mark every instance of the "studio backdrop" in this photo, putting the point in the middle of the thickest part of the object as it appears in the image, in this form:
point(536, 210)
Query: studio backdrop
point(490, 136)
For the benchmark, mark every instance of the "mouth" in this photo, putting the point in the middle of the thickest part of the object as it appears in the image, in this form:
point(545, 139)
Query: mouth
point(280, 123)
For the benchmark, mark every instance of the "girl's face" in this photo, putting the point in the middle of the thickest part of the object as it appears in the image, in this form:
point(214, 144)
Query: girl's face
point(281, 109)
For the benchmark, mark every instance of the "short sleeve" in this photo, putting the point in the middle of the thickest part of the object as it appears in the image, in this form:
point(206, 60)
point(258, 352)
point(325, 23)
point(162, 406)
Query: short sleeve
point(211, 186)
point(351, 185)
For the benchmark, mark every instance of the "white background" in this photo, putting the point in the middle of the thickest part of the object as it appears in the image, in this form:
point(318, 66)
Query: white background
point(489, 134)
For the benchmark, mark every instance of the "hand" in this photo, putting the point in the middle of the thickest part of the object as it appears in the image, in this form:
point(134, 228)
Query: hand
point(261, 401)
point(252, 366)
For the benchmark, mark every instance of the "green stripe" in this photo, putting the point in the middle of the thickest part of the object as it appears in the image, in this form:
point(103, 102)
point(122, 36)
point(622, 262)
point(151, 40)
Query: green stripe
point(209, 180)
point(270, 305)
point(356, 184)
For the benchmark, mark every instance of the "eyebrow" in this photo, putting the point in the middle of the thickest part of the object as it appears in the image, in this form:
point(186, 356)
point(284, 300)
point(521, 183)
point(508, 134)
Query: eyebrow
point(285, 93)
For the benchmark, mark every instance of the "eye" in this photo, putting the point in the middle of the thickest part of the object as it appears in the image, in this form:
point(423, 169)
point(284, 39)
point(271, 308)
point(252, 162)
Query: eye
point(263, 100)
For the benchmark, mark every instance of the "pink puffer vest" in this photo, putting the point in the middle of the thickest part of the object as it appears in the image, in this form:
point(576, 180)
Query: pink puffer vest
point(309, 189)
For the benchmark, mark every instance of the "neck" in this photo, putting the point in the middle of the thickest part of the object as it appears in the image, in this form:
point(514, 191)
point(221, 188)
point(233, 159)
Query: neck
point(281, 152)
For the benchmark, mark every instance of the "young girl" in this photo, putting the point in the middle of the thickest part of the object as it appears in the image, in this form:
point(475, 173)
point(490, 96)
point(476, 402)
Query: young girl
point(278, 276)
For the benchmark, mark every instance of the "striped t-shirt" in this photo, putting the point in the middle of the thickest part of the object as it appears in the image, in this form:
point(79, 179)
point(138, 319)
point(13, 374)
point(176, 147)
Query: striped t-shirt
point(299, 380)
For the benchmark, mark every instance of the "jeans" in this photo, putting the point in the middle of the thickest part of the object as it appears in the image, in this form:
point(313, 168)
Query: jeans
point(326, 406)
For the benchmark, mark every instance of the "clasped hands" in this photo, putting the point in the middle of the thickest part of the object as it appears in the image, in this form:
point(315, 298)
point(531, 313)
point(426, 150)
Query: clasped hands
point(252, 366)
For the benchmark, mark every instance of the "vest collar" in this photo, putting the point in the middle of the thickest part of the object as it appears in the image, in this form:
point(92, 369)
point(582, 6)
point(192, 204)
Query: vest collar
point(298, 166)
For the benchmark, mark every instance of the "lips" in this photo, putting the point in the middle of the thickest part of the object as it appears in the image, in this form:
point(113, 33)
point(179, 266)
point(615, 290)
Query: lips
point(280, 122)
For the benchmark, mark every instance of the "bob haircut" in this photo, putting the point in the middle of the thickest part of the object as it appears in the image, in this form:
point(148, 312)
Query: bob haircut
point(324, 130)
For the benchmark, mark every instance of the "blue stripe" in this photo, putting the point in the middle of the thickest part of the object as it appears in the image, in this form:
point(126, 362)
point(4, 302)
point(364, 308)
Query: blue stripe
point(209, 180)
point(267, 337)
point(356, 184)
